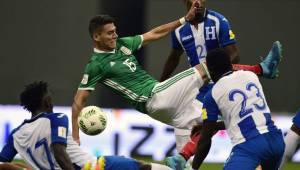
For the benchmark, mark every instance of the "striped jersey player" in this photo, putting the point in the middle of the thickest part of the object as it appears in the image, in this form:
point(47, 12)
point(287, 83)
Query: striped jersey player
point(238, 97)
point(44, 141)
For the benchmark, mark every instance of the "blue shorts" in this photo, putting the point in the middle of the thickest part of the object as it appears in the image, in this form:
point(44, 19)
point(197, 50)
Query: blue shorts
point(265, 150)
point(203, 90)
point(120, 162)
point(296, 119)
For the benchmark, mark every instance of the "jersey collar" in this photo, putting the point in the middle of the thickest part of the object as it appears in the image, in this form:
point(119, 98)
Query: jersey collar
point(100, 51)
point(35, 117)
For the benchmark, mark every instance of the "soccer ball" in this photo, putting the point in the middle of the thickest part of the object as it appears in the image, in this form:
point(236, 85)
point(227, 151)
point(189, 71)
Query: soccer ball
point(92, 120)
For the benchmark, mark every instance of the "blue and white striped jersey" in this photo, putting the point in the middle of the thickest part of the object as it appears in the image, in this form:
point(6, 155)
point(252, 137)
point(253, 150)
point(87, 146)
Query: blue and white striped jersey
point(33, 138)
point(240, 99)
point(212, 33)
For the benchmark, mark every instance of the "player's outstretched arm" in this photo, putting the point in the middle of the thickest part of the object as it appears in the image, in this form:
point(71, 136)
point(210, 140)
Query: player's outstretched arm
point(13, 166)
point(61, 156)
point(79, 102)
point(165, 29)
point(268, 68)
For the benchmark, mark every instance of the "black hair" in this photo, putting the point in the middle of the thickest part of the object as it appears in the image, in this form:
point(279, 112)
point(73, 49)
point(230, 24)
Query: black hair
point(218, 63)
point(98, 21)
point(32, 96)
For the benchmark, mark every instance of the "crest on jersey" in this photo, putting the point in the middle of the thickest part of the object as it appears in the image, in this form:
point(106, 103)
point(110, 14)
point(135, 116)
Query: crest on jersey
point(125, 50)
point(112, 63)
point(62, 132)
point(85, 79)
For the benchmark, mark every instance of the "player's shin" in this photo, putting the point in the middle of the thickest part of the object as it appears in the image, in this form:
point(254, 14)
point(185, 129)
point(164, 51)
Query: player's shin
point(189, 148)
point(292, 140)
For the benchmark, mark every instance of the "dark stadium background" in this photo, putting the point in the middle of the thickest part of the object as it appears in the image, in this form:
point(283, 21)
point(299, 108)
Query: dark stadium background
point(48, 40)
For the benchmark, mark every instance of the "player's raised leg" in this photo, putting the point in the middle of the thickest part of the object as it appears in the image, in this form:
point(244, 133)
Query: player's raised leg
point(268, 68)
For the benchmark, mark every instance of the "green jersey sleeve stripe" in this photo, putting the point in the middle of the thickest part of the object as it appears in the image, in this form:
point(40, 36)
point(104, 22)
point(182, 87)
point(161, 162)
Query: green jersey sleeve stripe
point(142, 39)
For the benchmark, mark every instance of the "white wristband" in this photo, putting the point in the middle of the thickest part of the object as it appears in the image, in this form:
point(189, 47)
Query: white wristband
point(182, 20)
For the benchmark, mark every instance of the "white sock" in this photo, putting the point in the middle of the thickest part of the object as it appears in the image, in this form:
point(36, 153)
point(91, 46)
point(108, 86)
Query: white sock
point(182, 136)
point(155, 166)
point(291, 141)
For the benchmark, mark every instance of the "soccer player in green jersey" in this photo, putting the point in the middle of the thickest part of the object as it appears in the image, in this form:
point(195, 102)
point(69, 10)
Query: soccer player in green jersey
point(114, 65)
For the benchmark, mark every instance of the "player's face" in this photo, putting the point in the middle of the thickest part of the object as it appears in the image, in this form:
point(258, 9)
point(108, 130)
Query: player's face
point(106, 37)
point(200, 12)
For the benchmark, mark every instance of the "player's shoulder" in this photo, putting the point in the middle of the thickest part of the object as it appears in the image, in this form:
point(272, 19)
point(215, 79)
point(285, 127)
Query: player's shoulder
point(245, 74)
point(186, 26)
point(128, 39)
point(95, 62)
point(214, 14)
point(54, 117)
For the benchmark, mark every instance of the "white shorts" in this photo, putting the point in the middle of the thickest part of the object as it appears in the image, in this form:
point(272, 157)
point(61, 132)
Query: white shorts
point(174, 101)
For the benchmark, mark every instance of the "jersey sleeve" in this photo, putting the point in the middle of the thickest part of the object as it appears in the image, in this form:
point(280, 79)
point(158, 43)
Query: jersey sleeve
point(175, 43)
point(132, 43)
point(8, 152)
point(296, 119)
point(93, 73)
point(226, 35)
point(210, 110)
point(59, 128)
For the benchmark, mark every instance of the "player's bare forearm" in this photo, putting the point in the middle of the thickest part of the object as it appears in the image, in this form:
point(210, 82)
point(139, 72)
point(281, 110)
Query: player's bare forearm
point(160, 32)
point(10, 166)
point(75, 112)
point(163, 30)
point(79, 102)
point(21, 165)
point(61, 156)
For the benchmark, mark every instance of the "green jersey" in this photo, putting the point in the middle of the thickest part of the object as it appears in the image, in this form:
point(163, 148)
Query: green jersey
point(120, 71)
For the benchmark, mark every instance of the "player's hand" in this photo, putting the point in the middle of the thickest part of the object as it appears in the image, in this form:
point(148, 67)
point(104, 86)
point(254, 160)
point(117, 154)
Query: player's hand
point(193, 10)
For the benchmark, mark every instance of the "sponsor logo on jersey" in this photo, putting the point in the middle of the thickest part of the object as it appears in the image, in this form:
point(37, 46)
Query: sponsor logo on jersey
point(204, 114)
point(60, 116)
point(62, 132)
point(231, 35)
point(187, 37)
point(85, 79)
point(125, 50)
